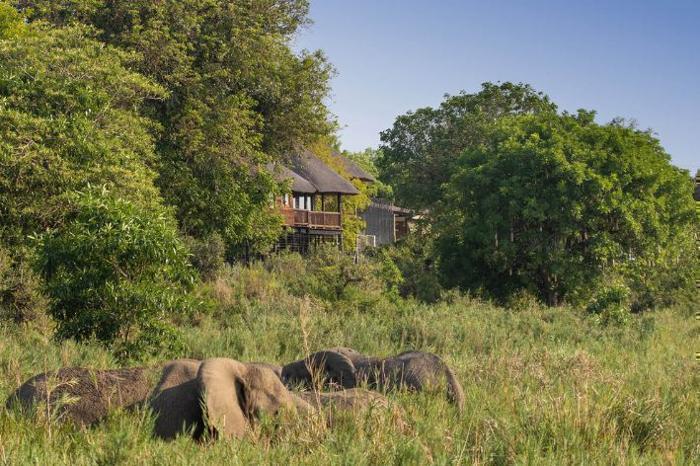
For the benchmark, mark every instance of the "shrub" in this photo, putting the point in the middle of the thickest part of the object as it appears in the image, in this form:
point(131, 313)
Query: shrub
point(610, 305)
point(21, 299)
point(414, 260)
point(332, 275)
point(115, 272)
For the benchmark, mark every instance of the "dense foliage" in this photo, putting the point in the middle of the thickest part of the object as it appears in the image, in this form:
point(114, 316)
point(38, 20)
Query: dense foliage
point(238, 96)
point(419, 152)
point(521, 197)
point(71, 118)
point(115, 272)
point(555, 203)
point(68, 117)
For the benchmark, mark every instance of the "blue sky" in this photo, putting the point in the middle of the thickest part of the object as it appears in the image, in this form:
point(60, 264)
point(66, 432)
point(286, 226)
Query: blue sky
point(636, 59)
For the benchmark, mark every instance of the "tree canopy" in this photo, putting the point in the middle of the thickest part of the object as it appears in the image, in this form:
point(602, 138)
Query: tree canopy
point(555, 203)
point(238, 95)
point(419, 152)
point(69, 117)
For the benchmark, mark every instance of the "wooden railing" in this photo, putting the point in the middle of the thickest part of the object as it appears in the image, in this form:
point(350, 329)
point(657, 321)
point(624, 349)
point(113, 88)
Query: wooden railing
point(324, 220)
point(309, 219)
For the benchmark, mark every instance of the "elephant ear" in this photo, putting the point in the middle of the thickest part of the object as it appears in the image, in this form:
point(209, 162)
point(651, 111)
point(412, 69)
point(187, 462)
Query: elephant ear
point(223, 390)
point(334, 366)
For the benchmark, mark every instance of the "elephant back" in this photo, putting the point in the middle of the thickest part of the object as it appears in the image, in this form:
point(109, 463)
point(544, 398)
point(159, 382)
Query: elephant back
point(81, 395)
point(354, 399)
point(326, 367)
point(419, 370)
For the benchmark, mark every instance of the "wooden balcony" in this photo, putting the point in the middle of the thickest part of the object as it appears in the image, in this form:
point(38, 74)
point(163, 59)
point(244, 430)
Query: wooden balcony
point(311, 219)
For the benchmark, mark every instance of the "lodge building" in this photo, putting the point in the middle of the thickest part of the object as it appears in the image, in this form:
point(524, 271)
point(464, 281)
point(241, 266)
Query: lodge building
point(313, 210)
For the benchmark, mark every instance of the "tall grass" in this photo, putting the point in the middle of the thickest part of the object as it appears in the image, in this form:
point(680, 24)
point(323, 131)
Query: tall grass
point(541, 385)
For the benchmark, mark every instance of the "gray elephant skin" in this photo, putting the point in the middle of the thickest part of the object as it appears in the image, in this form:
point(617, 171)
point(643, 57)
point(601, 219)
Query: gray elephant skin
point(83, 396)
point(346, 367)
point(220, 396)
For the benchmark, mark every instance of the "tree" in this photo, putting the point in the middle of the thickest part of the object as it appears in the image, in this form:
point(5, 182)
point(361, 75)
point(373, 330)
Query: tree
point(554, 204)
point(419, 152)
point(111, 258)
point(238, 97)
point(68, 118)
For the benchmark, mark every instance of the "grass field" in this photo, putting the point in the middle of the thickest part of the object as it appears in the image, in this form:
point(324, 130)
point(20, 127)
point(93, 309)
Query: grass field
point(542, 385)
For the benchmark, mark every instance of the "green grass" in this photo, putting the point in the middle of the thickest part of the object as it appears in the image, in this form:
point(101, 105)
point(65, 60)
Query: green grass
point(542, 385)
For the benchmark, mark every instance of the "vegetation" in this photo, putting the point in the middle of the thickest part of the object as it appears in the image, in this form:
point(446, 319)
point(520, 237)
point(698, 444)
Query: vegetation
point(556, 203)
point(238, 97)
point(68, 118)
point(542, 384)
point(134, 138)
point(521, 197)
point(115, 272)
point(419, 151)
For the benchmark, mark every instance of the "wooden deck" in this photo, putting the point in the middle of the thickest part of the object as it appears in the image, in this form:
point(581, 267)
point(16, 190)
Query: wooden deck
point(313, 220)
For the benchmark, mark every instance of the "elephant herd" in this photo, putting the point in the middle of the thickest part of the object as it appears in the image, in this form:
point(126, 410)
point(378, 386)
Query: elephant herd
point(222, 397)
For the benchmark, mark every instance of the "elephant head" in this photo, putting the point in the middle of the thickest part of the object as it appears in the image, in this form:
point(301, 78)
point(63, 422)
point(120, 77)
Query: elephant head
point(322, 367)
point(233, 394)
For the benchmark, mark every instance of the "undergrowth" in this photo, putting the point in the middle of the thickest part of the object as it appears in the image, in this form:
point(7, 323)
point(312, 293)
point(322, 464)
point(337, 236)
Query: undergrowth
point(545, 385)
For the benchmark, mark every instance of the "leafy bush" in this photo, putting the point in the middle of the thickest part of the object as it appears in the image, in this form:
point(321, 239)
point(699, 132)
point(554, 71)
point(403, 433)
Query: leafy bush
point(414, 260)
point(116, 272)
point(610, 305)
point(331, 275)
point(21, 298)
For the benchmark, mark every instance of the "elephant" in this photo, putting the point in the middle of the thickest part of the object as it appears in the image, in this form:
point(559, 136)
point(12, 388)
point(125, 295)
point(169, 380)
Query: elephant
point(413, 370)
point(175, 400)
point(329, 367)
point(220, 396)
point(354, 400)
point(83, 396)
point(273, 367)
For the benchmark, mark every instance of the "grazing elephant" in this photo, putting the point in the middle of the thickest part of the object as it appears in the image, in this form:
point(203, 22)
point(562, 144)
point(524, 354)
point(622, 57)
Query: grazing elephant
point(83, 396)
point(224, 397)
point(413, 370)
point(273, 367)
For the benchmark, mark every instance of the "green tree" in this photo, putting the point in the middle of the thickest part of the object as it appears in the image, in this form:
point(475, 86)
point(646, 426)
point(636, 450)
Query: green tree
point(419, 152)
point(554, 204)
point(238, 96)
point(68, 118)
point(117, 272)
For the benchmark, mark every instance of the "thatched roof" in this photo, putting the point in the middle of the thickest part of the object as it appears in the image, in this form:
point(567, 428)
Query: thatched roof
point(325, 180)
point(299, 184)
point(353, 169)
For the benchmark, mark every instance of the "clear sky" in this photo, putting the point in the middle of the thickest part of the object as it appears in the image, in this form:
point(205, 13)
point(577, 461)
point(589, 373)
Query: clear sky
point(636, 59)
